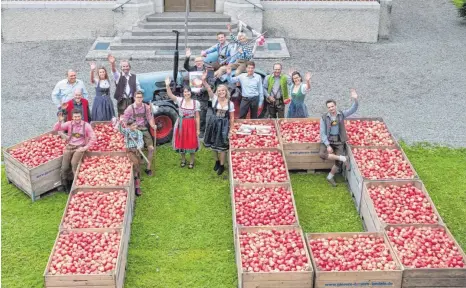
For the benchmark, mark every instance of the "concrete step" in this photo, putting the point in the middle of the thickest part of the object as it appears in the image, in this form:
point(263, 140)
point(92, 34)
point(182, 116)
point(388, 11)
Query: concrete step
point(180, 25)
point(192, 18)
point(195, 45)
point(167, 39)
point(140, 31)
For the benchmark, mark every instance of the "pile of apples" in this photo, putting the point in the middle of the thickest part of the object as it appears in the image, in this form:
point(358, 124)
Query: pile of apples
point(402, 204)
point(254, 140)
point(258, 167)
point(85, 253)
point(108, 139)
point(273, 251)
point(425, 247)
point(368, 133)
point(353, 253)
point(261, 206)
point(35, 152)
point(293, 131)
point(104, 171)
point(382, 164)
point(96, 209)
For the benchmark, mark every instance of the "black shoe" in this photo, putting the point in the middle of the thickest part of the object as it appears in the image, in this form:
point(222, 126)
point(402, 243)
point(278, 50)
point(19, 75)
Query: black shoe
point(221, 169)
point(148, 172)
point(138, 191)
point(217, 165)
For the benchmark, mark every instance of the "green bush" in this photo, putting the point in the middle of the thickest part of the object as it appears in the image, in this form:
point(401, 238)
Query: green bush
point(461, 5)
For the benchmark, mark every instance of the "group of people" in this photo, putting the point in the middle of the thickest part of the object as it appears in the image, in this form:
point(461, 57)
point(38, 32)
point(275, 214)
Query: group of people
point(135, 117)
point(74, 114)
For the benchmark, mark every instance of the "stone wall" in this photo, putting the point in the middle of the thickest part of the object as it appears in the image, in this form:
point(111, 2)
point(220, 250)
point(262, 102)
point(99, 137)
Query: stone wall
point(59, 20)
point(322, 20)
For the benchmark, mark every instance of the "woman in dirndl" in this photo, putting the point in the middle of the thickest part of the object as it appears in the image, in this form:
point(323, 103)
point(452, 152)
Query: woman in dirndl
point(187, 127)
point(102, 108)
point(220, 124)
point(298, 108)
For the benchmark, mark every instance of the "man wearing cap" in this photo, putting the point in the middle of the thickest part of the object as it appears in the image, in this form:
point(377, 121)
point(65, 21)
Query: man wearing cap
point(142, 114)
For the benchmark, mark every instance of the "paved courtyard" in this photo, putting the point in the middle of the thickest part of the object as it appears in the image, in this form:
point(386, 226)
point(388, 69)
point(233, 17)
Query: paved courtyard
point(416, 80)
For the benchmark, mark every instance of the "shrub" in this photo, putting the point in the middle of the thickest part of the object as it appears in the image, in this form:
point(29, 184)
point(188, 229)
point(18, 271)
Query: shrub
point(461, 5)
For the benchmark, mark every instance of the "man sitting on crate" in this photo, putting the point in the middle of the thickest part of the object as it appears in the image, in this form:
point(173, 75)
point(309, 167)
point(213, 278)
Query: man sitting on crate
point(333, 134)
point(142, 114)
point(80, 137)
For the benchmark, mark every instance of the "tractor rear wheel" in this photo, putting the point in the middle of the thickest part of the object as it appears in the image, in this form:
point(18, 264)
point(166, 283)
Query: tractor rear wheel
point(165, 119)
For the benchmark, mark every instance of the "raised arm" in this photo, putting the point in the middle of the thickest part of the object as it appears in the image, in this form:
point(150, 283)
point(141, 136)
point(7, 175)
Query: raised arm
point(92, 72)
point(207, 86)
point(60, 126)
point(355, 105)
point(111, 60)
point(186, 60)
point(169, 90)
point(308, 81)
point(230, 79)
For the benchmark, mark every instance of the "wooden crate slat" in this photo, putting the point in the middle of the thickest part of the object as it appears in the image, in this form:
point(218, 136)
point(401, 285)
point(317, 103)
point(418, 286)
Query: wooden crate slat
point(279, 284)
point(392, 278)
point(434, 282)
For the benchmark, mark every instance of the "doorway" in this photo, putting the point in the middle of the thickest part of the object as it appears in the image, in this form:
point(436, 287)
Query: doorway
point(195, 5)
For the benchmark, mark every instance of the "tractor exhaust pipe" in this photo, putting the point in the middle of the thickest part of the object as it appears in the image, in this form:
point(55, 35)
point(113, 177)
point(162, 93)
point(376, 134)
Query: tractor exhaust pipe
point(176, 57)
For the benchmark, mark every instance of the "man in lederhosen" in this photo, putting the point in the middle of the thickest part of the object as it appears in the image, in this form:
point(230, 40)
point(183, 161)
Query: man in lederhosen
point(333, 134)
point(81, 137)
point(142, 114)
point(223, 49)
point(200, 94)
point(126, 84)
point(276, 91)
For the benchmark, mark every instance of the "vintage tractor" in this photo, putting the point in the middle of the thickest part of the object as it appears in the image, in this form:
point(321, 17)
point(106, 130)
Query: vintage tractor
point(164, 110)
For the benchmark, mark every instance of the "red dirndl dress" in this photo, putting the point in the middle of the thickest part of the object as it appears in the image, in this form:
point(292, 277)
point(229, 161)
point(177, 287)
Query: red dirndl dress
point(185, 138)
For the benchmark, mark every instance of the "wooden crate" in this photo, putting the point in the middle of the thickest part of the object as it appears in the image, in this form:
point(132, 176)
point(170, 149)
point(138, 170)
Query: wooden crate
point(233, 207)
point(128, 207)
point(33, 181)
point(432, 277)
point(355, 178)
point(292, 279)
point(303, 156)
point(232, 181)
point(260, 121)
point(375, 119)
point(368, 213)
point(325, 279)
point(114, 279)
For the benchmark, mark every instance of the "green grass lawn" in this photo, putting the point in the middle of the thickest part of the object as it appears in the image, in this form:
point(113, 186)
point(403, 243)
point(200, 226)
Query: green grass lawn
point(182, 230)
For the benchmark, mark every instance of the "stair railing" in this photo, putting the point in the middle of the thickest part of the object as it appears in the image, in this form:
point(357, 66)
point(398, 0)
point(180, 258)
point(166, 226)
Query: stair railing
point(121, 6)
point(255, 6)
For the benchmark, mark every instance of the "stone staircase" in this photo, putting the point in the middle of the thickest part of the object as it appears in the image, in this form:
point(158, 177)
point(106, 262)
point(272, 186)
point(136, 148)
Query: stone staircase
point(155, 33)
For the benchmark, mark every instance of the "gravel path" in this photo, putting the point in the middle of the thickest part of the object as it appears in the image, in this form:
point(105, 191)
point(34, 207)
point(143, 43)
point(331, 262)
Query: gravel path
point(415, 80)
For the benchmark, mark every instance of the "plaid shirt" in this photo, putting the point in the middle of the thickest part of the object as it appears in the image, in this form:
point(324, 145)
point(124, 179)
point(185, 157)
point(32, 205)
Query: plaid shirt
point(136, 135)
point(246, 47)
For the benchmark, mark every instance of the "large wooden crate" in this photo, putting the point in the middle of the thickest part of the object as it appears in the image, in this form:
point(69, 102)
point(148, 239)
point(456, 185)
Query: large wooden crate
point(368, 213)
point(233, 202)
point(303, 156)
point(128, 216)
point(232, 181)
point(355, 178)
point(374, 119)
point(114, 279)
point(291, 279)
point(323, 279)
point(259, 122)
point(130, 185)
point(432, 277)
point(33, 181)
